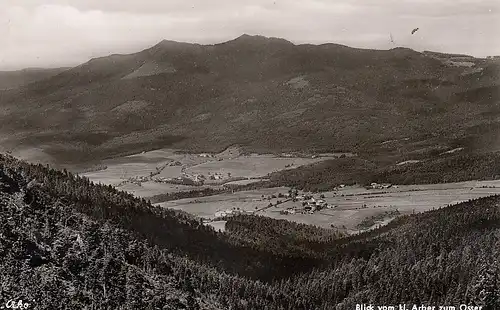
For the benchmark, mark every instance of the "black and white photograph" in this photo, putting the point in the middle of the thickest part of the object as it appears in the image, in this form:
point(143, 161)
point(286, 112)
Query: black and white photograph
point(237, 154)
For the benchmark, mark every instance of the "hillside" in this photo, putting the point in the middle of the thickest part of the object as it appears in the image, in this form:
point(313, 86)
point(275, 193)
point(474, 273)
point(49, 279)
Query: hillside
point(266, 94)
point(16, 79)
point(69, 243)
point(441, 168)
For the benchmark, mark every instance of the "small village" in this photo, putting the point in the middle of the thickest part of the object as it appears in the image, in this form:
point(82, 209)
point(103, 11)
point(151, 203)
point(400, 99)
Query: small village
point(195, 179)
point(183, 179)
point(309, 205)
point(306, 204)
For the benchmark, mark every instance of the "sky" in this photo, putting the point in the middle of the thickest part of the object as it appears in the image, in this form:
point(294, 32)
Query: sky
point(52, 33)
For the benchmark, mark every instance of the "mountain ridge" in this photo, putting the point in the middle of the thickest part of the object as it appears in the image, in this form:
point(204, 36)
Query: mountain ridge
point(349, 99)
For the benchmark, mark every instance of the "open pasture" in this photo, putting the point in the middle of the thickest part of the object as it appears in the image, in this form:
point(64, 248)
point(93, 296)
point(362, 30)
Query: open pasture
point(352, 204)
point(251, 166)
point(116, 173)
point(171, 164)
point(150, 188)
point(218, 225)
point(207, 206)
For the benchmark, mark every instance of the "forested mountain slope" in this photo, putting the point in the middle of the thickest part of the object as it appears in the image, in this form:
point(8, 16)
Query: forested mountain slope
point(440, 168)
point(67, 243)
point(265, 94)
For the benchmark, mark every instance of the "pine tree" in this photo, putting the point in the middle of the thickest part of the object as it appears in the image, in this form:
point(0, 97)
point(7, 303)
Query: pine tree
point(486, 290)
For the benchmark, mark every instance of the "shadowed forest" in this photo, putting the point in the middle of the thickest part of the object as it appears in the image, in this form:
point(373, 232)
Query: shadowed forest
point(69, 243)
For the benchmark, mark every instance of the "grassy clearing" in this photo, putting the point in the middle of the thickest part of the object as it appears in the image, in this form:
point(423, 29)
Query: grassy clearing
point(251, 166)
point(354, 204)
point(218, 225)
point(171, 164)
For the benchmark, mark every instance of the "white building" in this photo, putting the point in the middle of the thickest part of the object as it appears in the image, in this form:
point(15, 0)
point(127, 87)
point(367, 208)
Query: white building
point(220, 214)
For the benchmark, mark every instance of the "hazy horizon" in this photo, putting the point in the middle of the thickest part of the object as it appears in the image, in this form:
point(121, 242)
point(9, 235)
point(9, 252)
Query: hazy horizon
point(62, 33)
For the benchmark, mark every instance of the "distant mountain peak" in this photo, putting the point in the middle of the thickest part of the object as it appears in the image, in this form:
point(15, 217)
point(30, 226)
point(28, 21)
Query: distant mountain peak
point(400, 48)
point(258, 39)
point(246, 35)
point(171, 44)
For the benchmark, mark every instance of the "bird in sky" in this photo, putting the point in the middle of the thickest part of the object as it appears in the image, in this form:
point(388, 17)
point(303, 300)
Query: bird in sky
point(414, 30)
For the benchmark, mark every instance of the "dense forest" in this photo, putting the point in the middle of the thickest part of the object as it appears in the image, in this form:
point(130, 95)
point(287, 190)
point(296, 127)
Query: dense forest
point(329, 174)
point(67, 243)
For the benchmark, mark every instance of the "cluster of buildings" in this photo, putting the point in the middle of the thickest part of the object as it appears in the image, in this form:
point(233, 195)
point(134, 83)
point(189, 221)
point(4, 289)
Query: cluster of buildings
point(230, 212)
point(192, 179)
point(216, 176)
point(135, 180)
point(185, 179)
point(309, 205)
point(379, 186)
point(205, 155)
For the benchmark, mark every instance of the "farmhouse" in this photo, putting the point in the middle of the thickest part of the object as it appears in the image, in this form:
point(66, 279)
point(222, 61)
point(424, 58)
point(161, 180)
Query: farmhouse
point(198, 178)
point(288, 211)
point(379, 186)
point(311, 203)
point(321, 203)
point(220, 214)
point(229, 212)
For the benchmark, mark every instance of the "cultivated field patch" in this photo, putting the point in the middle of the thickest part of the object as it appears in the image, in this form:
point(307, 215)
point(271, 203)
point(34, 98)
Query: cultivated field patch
point(251, 166)
point(350, 206)
point(214, 169)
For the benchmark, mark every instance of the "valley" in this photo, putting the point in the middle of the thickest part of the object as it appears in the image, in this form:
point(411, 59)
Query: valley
point(188, 128)
point(168, 167)
point(350, 207)
point(252, 174)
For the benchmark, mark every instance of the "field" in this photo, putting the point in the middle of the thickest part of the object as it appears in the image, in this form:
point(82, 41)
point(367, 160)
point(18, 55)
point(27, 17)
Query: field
point(150, 188)
point(170, 164)
point(251, 166)
point(353, 204)
point(218, 225)
point(354, 207)
point(207, 206)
